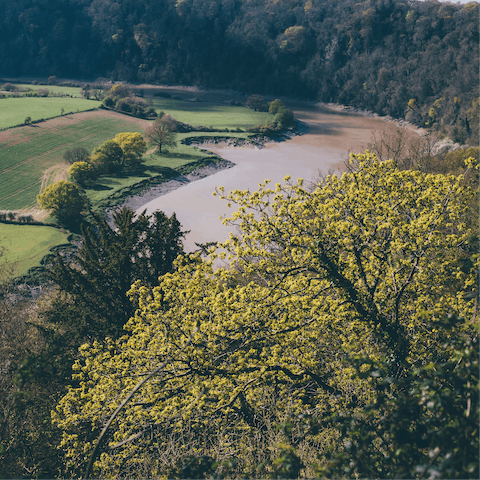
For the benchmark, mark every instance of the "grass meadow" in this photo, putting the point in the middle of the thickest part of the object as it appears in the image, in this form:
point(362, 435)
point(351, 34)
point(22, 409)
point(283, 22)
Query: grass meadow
point(26, 245)
point(210, 114)
point(14, 110)
point(153, 165)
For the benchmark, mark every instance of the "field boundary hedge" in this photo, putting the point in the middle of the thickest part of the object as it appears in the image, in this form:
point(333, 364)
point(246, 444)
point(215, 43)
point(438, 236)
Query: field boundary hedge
point(41, 120)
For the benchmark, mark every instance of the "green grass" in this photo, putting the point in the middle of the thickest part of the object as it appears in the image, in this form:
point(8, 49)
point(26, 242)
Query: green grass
point(32, 150)
point(210, 114)
point(26, 245)
point(73, 91)
point(14, 111)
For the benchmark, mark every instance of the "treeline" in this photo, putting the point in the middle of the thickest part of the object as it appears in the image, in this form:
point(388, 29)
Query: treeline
point(414, 60)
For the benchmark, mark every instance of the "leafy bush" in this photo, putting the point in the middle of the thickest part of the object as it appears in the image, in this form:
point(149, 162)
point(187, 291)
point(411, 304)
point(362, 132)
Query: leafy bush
point(8, 87)
point(108, 102)
point(123, 106)
point(81, 172)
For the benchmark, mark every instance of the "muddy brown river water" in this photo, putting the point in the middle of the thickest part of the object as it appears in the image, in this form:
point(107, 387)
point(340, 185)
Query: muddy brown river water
point(331, 136)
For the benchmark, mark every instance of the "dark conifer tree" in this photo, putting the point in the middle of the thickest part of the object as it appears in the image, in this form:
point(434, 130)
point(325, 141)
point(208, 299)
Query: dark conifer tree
point(109, 261)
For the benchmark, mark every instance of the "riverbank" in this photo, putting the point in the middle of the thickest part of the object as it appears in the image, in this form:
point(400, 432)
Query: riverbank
point(134, 202)
point(367, 113)
point(137, 200)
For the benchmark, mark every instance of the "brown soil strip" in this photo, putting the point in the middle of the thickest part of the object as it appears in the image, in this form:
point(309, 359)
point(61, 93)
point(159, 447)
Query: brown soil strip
point(60, 173)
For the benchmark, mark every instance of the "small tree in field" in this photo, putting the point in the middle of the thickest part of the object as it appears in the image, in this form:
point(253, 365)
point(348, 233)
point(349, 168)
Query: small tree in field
point(160, 135)
point(257, 103)
point(64, 199)
point(78, 154)
point(81, 172)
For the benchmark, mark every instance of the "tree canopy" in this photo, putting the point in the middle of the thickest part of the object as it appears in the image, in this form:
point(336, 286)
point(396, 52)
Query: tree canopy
point(109, 261)
point(132, 145)
point(126, 149)
point(327, 287)
point(64, 199)
point(377, 55)
point(81, 172)
point(108, 156)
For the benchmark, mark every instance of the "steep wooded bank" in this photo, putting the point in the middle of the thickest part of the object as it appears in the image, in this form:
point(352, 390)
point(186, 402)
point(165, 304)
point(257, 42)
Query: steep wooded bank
point(417, 60)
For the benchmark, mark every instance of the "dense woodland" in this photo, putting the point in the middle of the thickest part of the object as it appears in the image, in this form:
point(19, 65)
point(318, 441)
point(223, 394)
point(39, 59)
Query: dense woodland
point(417, 60)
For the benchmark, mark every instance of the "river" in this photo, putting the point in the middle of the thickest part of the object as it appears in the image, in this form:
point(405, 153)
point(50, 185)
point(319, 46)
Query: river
point(331, 136)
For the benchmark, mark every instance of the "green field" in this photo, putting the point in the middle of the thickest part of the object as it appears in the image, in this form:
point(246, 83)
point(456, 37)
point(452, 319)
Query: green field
point(26, 245)
point(209, 114)
point(14, 111)
point(31, 150)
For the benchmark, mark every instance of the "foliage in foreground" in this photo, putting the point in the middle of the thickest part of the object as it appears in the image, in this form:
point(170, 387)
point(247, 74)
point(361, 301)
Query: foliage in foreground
point(95, 281)
point(333, 310)
point(423, 425)
point(39, 340)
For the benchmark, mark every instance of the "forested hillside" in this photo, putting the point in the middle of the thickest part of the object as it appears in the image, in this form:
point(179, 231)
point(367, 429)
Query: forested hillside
point(417, 60)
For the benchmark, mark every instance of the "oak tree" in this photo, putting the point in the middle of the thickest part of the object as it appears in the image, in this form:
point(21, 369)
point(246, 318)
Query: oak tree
point(108, 157)
point(81, 172)
point(132, 145)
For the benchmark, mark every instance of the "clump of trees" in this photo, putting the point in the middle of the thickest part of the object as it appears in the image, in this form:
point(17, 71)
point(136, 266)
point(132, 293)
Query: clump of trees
point(257, 103)
point(334, 345)
point(9, 87)
point(96, 91)
point(122, 99)
point(283, 118)
point(123, 151)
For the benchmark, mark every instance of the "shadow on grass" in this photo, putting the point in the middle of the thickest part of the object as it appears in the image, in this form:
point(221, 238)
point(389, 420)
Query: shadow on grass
point(187, 156)
point(143, 171)
point(98, 187)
